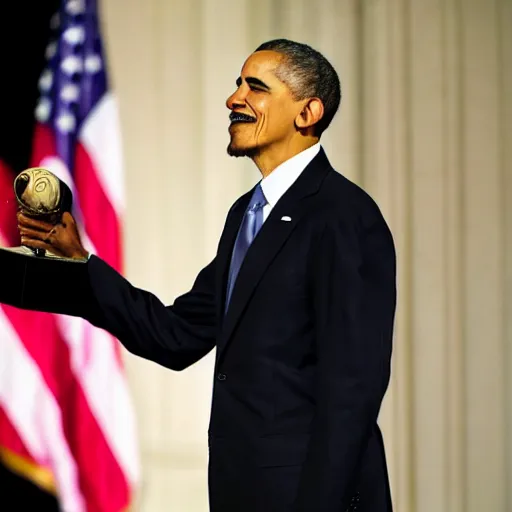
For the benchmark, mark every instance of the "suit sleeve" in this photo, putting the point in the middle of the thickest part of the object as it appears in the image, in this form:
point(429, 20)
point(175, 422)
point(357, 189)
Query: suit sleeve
point(354, 301)
point(174, 336)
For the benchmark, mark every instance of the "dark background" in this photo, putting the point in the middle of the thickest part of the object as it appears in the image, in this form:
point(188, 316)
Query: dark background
point(24, 33)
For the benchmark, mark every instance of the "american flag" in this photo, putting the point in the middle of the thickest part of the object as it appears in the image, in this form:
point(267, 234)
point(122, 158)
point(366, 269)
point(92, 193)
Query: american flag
point(66, 418)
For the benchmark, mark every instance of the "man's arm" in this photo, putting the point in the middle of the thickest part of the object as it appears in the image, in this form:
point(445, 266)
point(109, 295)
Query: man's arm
point(175, 336)
point(354, 301)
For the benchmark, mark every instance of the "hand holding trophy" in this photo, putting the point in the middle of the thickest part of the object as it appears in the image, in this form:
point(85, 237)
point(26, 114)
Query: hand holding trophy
point(45, 223)
point(48, 271)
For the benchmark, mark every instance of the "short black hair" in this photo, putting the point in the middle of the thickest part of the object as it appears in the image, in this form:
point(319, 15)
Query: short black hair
point(308, 74)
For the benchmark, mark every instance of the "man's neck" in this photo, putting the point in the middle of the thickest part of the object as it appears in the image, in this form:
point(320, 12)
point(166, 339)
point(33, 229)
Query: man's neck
point(271, 158)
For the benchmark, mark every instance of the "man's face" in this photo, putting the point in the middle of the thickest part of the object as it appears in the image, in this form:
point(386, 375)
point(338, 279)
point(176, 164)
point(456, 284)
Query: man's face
point(263, 110)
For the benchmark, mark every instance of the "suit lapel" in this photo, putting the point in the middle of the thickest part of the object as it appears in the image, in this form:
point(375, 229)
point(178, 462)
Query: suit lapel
point(265, 246)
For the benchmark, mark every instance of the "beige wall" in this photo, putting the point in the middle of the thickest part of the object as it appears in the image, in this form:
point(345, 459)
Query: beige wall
point(426, 127)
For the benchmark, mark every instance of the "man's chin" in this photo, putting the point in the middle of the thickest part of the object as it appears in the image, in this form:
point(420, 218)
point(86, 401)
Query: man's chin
point(240, 151)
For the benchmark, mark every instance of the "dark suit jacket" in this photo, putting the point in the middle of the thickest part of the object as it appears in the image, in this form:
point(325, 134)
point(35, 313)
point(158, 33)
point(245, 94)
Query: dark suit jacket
point(303, 352)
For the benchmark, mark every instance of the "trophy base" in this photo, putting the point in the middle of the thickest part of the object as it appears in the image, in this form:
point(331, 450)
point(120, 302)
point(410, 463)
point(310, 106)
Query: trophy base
point(42, 283)
point(26, 251)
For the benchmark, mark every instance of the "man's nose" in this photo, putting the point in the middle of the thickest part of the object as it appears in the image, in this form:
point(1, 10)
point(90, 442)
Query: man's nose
point(236, 100)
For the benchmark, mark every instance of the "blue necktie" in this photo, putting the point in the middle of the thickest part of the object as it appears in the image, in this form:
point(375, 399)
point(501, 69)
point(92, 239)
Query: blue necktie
point(251, 224)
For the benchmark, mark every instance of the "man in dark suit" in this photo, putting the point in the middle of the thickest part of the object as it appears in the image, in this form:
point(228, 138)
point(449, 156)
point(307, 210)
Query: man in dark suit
point(299, 302)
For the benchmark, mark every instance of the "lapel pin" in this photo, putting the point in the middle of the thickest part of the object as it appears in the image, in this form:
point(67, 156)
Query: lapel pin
point(286, 218)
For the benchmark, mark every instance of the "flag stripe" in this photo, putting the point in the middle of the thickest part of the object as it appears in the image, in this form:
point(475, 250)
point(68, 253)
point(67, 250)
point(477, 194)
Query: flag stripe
point(94, 363)
point(100, 135)
point(99, 218)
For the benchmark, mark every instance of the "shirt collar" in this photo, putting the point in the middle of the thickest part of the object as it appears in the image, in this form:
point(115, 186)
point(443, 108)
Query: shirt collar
point(284, 175)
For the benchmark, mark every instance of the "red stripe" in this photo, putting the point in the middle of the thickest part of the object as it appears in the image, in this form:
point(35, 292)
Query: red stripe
point(43, 145)
point(101, 479)
point(99, 216)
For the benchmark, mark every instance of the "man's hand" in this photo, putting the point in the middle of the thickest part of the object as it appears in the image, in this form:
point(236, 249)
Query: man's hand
point(61, 239)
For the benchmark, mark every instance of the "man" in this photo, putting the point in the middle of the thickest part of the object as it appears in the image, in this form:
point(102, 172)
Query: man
point(299, 302)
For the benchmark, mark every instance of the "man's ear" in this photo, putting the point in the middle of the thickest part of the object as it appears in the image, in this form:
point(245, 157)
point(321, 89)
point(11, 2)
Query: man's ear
point(311, 113)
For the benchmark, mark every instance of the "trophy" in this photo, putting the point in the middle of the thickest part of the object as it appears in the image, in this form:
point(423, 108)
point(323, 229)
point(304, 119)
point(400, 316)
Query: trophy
point(41, 195)
point(33, 278)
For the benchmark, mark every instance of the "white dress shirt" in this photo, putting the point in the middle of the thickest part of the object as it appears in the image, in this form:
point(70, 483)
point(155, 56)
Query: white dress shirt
point(283, 176)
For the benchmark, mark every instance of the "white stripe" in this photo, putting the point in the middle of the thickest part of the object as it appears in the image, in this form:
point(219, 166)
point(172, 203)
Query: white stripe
point(95, 363)
point(35, 414)
point(101, 136)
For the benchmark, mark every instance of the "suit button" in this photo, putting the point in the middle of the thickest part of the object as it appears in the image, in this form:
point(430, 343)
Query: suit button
point(221, 376)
